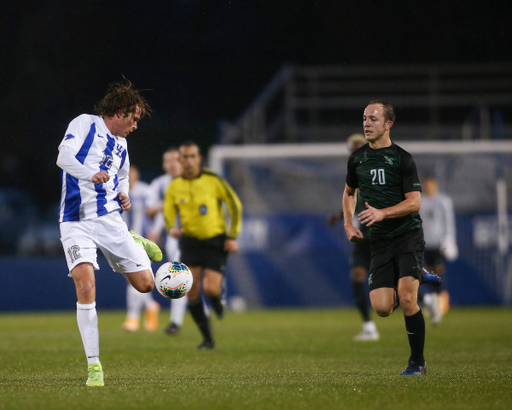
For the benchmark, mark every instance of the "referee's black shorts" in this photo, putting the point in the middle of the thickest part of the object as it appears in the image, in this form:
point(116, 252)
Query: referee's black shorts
point(206, 253)
point(396, 258)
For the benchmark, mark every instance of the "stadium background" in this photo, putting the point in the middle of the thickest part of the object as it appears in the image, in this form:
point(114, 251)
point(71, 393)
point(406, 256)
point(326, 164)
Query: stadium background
point(203, 64)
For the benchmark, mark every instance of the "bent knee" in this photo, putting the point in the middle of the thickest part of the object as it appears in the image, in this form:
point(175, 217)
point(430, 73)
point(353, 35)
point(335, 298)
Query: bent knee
point(144, 284)
point(383, 310)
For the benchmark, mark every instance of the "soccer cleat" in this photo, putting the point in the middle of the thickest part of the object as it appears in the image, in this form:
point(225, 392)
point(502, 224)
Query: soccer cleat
point(95, 375)
point(173, 329)
point(429, 277)
point(414, 369)
point(366, 336)
point(131, 325)
point(206, 345)
point(151, 248)
point(151, 317)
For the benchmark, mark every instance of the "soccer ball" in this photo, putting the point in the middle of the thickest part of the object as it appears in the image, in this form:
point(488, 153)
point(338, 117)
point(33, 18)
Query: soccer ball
point(173, 280)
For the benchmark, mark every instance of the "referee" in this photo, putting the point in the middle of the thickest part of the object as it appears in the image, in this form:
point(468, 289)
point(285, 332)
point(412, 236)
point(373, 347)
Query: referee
point(197, 197)
point(386, 175)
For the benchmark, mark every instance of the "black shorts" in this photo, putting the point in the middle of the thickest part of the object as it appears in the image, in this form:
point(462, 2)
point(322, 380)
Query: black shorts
point(206, 253)
point(361, 254)
point(433, 257)
point(396, 258)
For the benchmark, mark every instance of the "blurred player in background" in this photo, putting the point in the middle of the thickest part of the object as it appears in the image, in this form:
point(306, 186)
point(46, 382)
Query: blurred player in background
point(440, 243)
point(94, 160)
point(386, 175)
point(198, 196)
point(154, 205)
point(138, 220)
point(360, 258)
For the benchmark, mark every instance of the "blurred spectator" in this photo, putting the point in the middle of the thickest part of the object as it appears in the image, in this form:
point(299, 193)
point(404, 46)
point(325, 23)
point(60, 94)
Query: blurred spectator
point(440, 243)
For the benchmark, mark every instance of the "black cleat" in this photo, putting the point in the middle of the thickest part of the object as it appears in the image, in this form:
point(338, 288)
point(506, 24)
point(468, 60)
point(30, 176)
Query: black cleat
point(414, 369)
point(172, 330)
point(206, 345)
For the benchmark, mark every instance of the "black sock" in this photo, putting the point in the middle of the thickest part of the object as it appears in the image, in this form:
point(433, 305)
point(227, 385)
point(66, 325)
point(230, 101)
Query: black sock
point(196, 308)
point(217, 306)
point(361, 300)
point(415, 326)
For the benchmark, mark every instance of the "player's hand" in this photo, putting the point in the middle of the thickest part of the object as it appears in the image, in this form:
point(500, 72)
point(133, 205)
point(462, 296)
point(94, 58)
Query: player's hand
point(175, 232)
point(125, 201)
point(230, 245)
point(333, 219)
point(370, 215)
point(100, 177)
point(353, 234)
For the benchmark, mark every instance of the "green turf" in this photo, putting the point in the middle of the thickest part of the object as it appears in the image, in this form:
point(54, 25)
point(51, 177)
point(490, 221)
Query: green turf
point(272, 359)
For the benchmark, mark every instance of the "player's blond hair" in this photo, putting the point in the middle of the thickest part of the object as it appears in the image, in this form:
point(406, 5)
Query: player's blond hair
point(354, 140)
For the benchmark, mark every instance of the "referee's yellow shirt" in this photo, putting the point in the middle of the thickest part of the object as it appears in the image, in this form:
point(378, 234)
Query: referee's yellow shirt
point(199, 204)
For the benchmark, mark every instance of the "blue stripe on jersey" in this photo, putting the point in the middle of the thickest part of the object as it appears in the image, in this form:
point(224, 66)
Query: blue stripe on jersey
point(123, 158)
point(116, 183)
point(72, 200)
point(101, 197)
point(86, 146)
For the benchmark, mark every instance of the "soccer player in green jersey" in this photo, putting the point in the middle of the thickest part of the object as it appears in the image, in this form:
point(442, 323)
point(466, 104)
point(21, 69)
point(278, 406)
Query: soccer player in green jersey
point(387, 178)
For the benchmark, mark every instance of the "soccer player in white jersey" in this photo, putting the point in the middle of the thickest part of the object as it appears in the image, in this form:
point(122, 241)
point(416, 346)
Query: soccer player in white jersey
point(138, 220)
point(154, 204)
point(440, 243)
point(94, 160)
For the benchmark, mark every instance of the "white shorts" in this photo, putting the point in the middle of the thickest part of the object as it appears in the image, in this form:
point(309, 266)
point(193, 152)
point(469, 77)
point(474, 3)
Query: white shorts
point(109, 234)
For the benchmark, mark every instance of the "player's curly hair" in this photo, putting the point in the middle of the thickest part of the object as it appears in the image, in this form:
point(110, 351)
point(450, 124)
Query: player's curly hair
point(388, 109)
point(122, 96)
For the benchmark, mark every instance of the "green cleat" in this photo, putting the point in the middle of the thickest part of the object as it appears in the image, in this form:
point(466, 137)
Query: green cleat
point(95, 375)
point(151, 248)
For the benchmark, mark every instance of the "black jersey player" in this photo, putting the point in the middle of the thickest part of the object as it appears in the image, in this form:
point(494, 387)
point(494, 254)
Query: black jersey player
point(387, 178)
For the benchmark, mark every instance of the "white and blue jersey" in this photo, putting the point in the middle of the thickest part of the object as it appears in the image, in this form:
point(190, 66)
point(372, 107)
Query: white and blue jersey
point(89, 141)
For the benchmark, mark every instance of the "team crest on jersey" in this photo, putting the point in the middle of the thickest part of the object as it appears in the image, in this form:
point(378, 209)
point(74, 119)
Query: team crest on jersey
point(388, 160)
point(203, 209)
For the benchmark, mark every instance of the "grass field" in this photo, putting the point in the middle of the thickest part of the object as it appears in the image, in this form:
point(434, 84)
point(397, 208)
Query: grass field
point(269, 359)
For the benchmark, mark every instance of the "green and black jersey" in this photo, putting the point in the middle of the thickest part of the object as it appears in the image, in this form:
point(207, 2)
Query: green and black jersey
point(383, 177)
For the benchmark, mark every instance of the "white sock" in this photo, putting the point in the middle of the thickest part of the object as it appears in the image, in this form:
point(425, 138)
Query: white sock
point(178, 310)
point(369, 327)
point(87, 319)
point(148, 300)
point(134, 302)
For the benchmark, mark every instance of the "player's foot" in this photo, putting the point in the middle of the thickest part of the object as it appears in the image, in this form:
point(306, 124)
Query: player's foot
point(206, 345)
point(131, 325)
point(429, 277)
point(151, 317)
point(414, 369)
point(95, 375)
point(172, 330)
point(431, 301)
point(366, 336)
point(151, 248)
